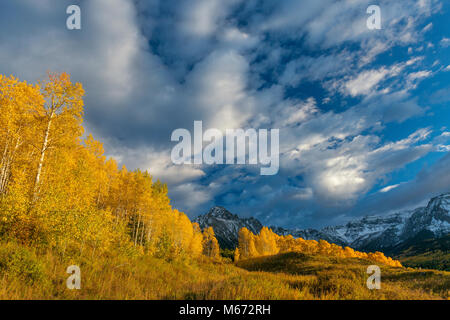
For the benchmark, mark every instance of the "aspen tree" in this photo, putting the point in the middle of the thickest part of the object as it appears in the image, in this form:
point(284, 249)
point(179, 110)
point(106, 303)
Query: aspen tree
point(210, 245)
point(62, 113)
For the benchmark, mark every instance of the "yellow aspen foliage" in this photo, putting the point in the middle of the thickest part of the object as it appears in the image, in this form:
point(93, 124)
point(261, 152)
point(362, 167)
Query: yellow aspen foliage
point(237, 255)
point(285, 243)
point(269, 243)
point(196, 245)
point(266, 242)
point(324, 247)
point(210, 244)
point(247, 248)
point(349, 252)
point(58, 190)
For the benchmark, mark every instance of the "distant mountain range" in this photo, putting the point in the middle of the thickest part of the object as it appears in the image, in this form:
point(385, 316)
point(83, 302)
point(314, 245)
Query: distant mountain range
point(372, 233)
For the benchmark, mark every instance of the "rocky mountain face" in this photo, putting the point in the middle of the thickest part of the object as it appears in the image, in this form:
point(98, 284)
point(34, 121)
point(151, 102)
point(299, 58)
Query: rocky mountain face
point(227, 225)
point(371, 233)
point(435, 218)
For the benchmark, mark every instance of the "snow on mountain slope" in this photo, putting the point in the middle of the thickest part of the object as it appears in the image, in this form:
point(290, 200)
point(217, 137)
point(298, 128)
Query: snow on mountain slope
point(385, 230)
point(227, 225)
point(435, 218)
point(370, 233)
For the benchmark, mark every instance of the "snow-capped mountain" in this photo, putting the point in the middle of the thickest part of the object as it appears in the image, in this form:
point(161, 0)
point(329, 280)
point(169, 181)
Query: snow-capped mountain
point(227, 225)
point(435, 218)
point(370, 233)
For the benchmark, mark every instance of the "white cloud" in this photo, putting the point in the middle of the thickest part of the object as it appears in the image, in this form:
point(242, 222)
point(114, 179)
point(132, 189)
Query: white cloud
point(419, 75)
point(162, 168)
point(445, 42)
point(388, 188)
point(201, 20)
point(293, 113)
point(235, 38)
point(191, 196)
point(443, 148)
point(365, 82)
point(220, 83)
point(315, 68)
point(304, 194)
point(339, 167)
point(428, 27)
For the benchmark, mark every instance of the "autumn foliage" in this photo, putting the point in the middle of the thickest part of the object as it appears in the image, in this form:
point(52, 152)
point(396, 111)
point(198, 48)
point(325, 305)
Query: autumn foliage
point(268, 243)
point(62, 202)
point(59, 191)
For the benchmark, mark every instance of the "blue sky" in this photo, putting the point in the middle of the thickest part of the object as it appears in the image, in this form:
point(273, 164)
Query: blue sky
point(363, 114)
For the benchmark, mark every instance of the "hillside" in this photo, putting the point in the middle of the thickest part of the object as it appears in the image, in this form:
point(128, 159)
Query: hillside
point(345, 278)
point(425, 252)
point(287, 276)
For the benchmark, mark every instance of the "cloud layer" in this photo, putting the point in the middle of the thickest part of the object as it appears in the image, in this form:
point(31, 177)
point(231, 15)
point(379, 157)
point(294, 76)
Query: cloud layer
point(359, 111)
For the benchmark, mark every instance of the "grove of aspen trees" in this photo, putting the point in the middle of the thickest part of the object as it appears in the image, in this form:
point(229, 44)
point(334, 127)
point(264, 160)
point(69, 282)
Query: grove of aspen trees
point(269, 243)
point(58, 191)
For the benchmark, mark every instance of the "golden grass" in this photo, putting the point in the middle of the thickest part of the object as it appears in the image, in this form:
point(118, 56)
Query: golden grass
point(345, 278)
point(288, 276)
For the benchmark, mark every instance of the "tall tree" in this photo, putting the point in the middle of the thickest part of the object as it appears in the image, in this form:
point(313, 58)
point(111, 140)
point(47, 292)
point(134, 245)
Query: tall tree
point(60, 118)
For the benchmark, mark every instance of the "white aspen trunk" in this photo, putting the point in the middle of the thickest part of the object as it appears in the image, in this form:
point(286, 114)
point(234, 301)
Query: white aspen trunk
point(42, 158)
point(137, 229)
point(5, 152)
point(142, 232)
point(3, 165)
point(6, 169)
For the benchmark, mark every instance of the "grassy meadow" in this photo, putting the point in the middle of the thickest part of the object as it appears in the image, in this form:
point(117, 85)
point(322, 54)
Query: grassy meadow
point(27, 274)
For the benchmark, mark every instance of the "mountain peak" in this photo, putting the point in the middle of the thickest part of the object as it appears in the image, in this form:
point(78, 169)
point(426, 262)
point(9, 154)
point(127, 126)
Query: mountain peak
point(442, 200)
point(226, 225)
point(221, 212)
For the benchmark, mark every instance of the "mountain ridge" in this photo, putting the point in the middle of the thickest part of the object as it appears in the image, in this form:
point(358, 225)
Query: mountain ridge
point(370, 233)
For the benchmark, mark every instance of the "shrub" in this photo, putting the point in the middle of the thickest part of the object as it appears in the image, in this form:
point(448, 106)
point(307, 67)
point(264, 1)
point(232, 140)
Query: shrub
point(19, 262)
